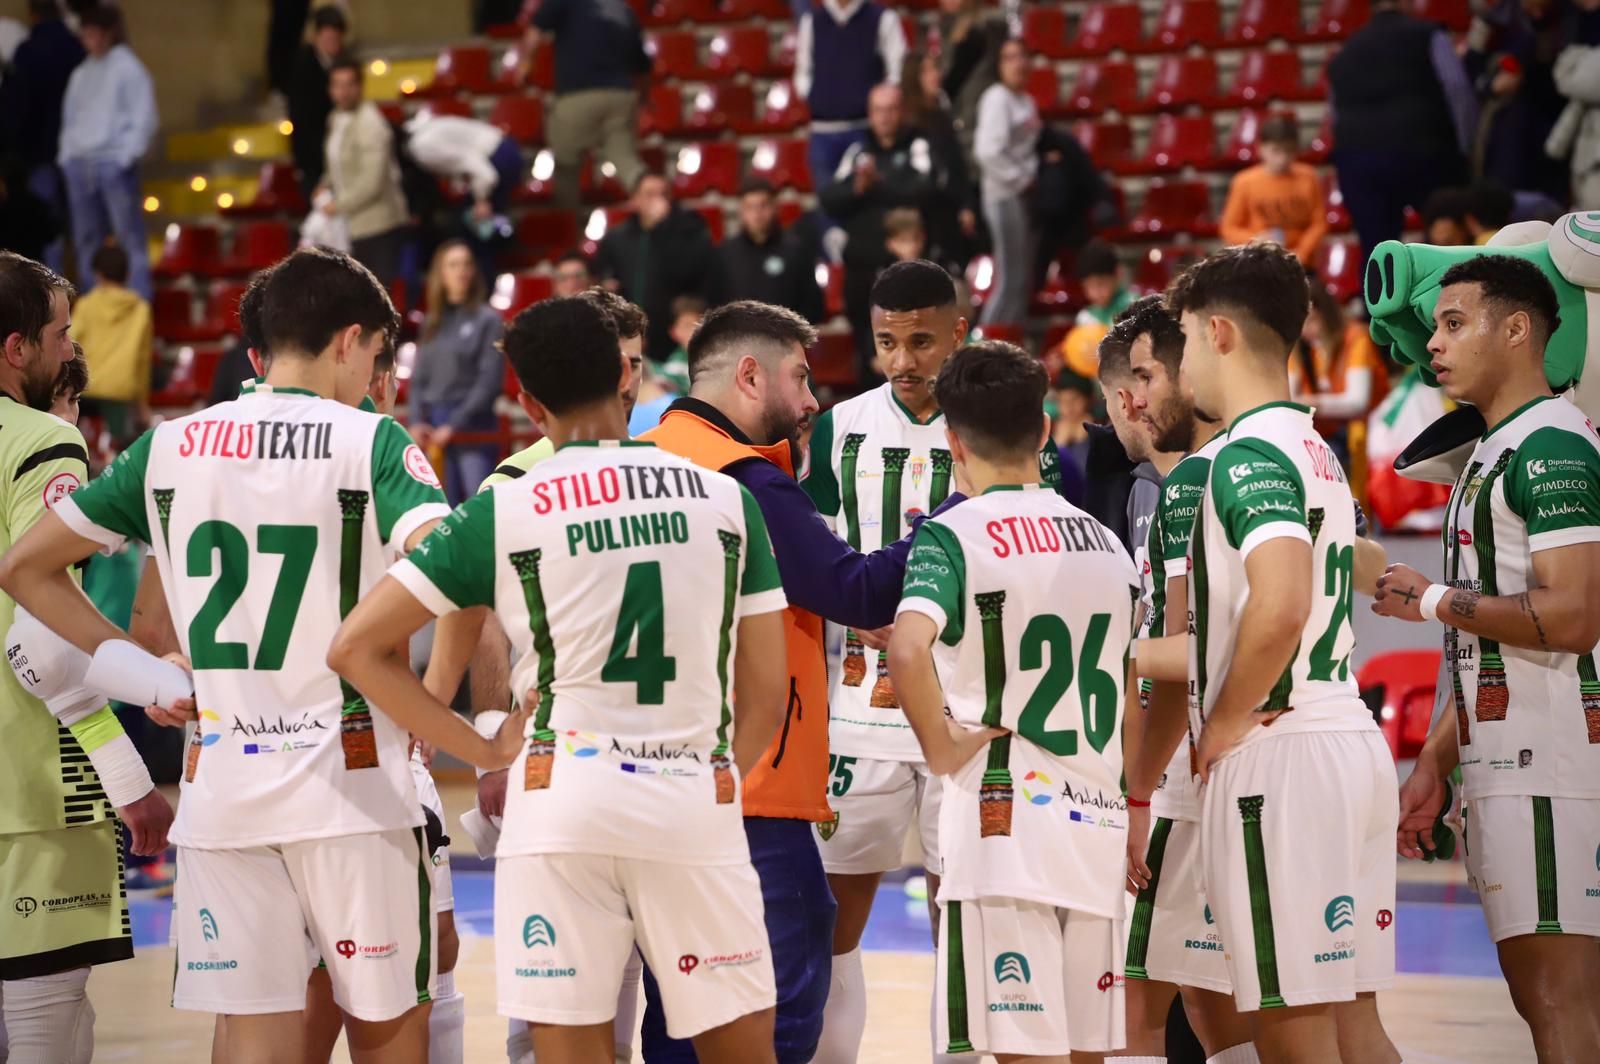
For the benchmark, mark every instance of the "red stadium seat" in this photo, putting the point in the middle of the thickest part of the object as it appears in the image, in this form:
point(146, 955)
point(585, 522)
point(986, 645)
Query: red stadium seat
point(1455, 15)
point(224, 309)
point(189, 248)
point(672, 12)
point(677, 54)
point(546, 233)
point(257, 245)
point(1403, 684)
point(454, 106)
point(277, 192)
point(719, 105)
point(783, 55)
point(1175, 207)
point(598, 181)
point(782, 162)
point(711, 166)
point(541, 73)
point(1060, 292)
point(1339, 268)
point(1109, 144)
point(662, 112)
point(745, 50)
point(1338, 215)
point(779, 111)
point(832, 284)
point(1105, 28)
point(715, 222)
point(515, 292)
point(1337, 19)
point(980, 279)
point(1265, 76)
point(1243, 140)
point(1177, 141)
point(1321, 144)
point(175, 320)
point(1259, 21)
point(1102, 86)
point(1046, 92)
point(462, 69)
point(1008, 331)
point(519, 117)
point(752, 9)
point(1181, 81)
point(833, 361)
point(1044, 30)
point(1158, 266)
point(1184, 24)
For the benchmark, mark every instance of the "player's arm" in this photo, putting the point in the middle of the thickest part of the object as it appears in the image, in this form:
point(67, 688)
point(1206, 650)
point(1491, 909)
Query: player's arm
point(760, 686)
point(1166, 722)
point(455, 638)
point(1368, 565)
point(1422, 796)
point(150, 624)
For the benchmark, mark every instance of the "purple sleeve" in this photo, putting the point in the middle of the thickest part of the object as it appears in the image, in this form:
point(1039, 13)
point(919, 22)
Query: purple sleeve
point(820, 572)
point(1457, 89)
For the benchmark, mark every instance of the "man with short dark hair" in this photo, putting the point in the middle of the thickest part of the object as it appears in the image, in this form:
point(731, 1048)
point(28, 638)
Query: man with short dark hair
point(1272, 558)
point(307, 93)
point(363, 174)
point(1521, 604)
point(658, 254)
point(572, 274)
point(764, 263)
point(117, 332)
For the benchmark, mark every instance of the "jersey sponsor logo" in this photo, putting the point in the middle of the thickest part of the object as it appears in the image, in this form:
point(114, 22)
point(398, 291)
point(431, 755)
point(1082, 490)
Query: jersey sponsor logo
point(688, 963)
point(280, 726)
point(604, 486)
point(208, 926)
point(645, 752)
point(244, 440)
point(1463, 537)
point(731, 960)
point(25, 906)
point(420, 468)
point(1340, 912)
point(538, 931)
point(581, 744)
point(1536, 467)
point(1545, 513)
point(1038, 795)
point(1342, 951)
point(1324, 463)
point(348, 948)
point(1107, 981)
point(1012, 968)
point(1016, 536)
point(209, 932)
point(209, 737)
point(59, 487)
point(1385, 919)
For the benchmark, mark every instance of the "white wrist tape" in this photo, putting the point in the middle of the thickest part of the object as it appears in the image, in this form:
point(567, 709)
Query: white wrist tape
point(122, 771)
point(487, 724)
point(1429, 606)
point(129, 673)
point(51, 669)
point(484, 832)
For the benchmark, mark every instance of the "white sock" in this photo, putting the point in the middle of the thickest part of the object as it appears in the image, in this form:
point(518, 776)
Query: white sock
point(844, 1017)
point(1243, 1053)
point(627, 1008)
point(933, 1028)
point(519, 1042)
point(49, 1019)
point(447, 1022)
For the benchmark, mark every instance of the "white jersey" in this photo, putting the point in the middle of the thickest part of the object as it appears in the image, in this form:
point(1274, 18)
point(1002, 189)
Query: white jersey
point(1276, 477)
point(619, 572)
point(873, 469)
point(1034, 600)
point(1527, 721)
point(1176, 796)
point(268, 517)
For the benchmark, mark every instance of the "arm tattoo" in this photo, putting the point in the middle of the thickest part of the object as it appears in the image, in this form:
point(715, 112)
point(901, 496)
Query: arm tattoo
point(1464, 603)
point(1525, 600)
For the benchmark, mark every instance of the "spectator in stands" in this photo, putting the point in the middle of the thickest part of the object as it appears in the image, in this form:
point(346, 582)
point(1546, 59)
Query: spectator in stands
point(1278, 199)
point(285, 28)
point(601, 66)
point(30, 114)
point(1105, 294)
point(1006, 145)
point(904, 235)
point(307, 93)
point(1072, 410)
point(1577, 132)
point(1512, 47)
point(458, 371)
point(843, 49)
point(953, 214)
point(766, 264)
point(363, 174)
point(1404, 116)
point(1337, 370)
point(969, 56)
point(108, 117)
point(1489, 210)
point(114, 325)
point(666, 381)
point(449, 146)
point(658, 254)
point(1444, 217)
point(893, 167)
point(572, 274)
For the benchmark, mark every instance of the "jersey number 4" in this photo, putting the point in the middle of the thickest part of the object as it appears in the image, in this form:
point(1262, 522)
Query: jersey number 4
point(648, 668)
point(1097, 689)
point(296, 543)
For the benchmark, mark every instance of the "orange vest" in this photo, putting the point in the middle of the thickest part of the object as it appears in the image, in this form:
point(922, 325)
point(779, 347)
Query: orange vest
point(790, 782)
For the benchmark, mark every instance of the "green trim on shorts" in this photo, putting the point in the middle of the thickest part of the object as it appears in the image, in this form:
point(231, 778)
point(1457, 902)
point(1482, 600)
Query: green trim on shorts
point(1255, 863)
point(1144, 909)
point(1544, 868)
point(424, 919)
point(956, 982)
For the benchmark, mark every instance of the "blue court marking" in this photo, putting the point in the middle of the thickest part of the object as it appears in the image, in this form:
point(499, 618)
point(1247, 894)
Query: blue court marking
point(1439, 926)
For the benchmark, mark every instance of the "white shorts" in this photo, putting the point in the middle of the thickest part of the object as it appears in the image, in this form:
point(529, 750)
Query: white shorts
point(253, 922)
point(444, 891)
point(1172, 937)
point(1297, 854)
point(875, 803)
point(1022, 977)
point(566, 924)
point(1529, 860)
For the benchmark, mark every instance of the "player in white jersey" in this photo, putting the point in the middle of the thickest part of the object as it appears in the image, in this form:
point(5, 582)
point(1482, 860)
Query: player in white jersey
point(300, 816)
point(1009, 652)
point(622, 821)
point(1520, 600)
point(1271, 560)
point(1172, 940)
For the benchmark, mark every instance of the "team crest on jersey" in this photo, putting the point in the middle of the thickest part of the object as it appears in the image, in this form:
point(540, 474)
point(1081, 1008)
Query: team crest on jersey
point(827, 828)
point(919, 466)
point(1472, 489)
point(59, 487)
point(420, 468)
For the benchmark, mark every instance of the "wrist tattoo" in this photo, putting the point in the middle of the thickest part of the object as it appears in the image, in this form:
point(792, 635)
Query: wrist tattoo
point(1525, 600)
point(1464, 603)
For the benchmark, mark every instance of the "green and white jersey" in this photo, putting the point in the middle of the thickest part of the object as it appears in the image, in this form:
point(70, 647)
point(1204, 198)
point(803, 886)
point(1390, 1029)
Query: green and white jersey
point(1527, 721)
point(1276, 477)
point(46, 781)
point(268, 517)
point(1176, 796)
point(1035, 603)
point(620, 573)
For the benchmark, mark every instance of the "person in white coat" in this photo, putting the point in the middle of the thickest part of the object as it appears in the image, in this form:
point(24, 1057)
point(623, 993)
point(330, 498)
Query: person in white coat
point(1006, 145)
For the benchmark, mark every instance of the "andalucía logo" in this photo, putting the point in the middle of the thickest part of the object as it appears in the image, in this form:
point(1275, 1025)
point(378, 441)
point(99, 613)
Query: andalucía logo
point(1341, 912)
point(207, 737)
point(1037, 796)
point(208, 926)
point(1012, 968)
point(537, 931)
point(581, 745)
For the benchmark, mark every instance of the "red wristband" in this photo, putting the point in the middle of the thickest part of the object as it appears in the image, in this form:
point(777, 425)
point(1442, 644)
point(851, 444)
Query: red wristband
point(1134, 803)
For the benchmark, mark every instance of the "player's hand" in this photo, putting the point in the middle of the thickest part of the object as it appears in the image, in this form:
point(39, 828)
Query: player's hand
point(492, 792)
point(1138, 848)
point(876, 638)
point(1399, 593)
point(1421, 799)
point(1222, 734)
point(507, 742)
point(148, 820)
point(426, 749)
point(968, 743)
point(183, 710)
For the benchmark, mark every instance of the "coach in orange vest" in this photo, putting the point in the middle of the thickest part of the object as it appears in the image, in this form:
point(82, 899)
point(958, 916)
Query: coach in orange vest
point(750, 390)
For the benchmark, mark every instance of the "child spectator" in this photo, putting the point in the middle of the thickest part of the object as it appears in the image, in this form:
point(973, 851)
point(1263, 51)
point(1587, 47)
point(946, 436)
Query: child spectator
point(1071, 407)
point(1106, 294)
point(1444, 218)
point(1278, 199)
point(666, 382)
point(115, 327)
point(904, 234)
